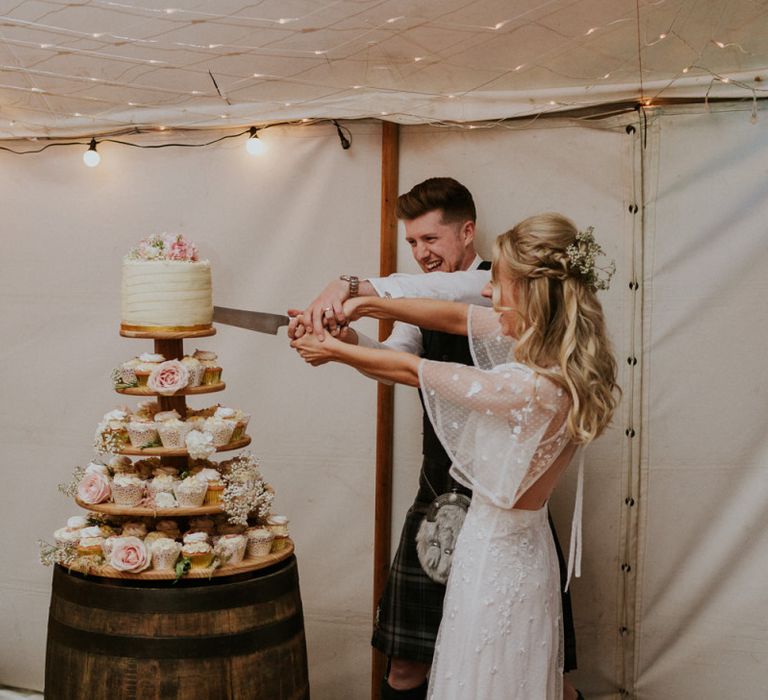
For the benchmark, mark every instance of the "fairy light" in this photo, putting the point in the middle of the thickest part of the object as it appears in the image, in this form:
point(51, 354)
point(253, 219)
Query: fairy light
point(254, 145)
point(91, 157)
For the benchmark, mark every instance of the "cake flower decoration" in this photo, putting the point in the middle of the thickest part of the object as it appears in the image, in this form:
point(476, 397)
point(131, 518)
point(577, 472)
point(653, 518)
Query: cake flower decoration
point(129, 554)
point(168, 378)
point(165, 246)
point(199, 444)
point(94, 488)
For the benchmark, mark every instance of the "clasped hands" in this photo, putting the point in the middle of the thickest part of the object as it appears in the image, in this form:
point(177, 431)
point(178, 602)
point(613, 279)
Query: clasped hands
point(318, 332)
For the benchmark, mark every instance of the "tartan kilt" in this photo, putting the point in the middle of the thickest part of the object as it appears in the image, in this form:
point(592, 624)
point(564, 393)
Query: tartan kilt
point(411, 606)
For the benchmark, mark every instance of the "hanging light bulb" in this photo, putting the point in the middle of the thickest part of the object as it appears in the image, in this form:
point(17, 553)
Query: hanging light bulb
point(91, 157)
point(253, 145)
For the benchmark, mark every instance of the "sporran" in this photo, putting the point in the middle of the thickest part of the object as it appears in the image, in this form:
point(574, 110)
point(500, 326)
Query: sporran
point(438, 532)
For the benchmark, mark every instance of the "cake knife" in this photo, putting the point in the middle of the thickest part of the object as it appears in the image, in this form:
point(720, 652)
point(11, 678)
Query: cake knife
point(252, 320)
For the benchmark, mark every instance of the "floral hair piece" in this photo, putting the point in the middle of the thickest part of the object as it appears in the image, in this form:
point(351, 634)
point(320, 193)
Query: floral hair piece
point(582, 255)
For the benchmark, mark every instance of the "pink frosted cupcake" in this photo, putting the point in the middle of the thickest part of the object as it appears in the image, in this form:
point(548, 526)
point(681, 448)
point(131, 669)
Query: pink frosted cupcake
point(190, 493)
point(165, 553)
point(127, 490)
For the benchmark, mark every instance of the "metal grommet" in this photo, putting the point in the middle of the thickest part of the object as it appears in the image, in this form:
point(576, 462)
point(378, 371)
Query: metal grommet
point(629, 501)
point(630, 129)
point(633, 208)
point(630, 432)
point(632, 360)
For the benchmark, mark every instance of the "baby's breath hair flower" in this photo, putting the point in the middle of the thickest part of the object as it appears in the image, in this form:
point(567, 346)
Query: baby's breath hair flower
point(582, 256)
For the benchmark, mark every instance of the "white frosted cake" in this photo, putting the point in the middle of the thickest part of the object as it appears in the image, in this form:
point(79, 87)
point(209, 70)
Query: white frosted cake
point(166, 286)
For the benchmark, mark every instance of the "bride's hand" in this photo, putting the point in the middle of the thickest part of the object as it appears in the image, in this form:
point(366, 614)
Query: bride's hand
point(352, 308)
point(315, 352)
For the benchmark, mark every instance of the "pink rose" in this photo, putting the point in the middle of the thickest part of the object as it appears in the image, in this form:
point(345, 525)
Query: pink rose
point(182, 250)
point(168, 377)
point(129, 554)
point(94, 488)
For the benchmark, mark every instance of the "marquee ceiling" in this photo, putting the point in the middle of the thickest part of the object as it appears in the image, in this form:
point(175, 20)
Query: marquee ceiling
point(95, 66)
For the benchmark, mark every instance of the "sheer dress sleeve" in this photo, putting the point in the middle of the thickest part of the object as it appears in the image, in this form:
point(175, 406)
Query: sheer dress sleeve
point(488, 345)
point(490, 421)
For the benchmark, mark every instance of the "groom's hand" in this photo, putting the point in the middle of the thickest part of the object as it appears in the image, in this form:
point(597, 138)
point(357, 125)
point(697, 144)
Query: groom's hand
point(326, 311)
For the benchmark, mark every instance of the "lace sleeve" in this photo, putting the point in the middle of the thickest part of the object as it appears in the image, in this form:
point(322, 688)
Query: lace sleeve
point(488, 345)
point(489, 421)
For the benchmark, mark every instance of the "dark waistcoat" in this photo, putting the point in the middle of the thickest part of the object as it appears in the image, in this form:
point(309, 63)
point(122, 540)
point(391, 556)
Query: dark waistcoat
point(443, 347)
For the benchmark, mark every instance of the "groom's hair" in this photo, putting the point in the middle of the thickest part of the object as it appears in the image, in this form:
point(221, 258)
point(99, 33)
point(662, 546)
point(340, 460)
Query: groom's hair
point(438, 193)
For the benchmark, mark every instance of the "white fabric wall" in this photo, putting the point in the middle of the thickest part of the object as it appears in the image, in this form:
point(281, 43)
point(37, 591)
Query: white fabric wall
point(702, 630)
point(277, 228)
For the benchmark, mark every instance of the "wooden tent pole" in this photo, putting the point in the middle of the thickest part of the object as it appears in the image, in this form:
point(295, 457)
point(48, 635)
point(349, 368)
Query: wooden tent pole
point(385, 397)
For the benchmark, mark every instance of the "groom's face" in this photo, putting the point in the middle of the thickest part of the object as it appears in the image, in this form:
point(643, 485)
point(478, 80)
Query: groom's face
point(440, 247)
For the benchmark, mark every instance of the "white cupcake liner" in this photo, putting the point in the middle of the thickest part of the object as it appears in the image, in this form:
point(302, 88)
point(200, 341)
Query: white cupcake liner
point(172, 436)
point(127, 495)
point(142, 434)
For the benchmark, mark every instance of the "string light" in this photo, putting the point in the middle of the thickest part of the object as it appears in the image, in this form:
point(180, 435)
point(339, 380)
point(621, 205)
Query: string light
point(254, 145)
point(91, 157)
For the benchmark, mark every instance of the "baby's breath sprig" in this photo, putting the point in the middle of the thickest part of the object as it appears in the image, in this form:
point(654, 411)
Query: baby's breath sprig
point(582, 255)
point(69, 488)
point(51, 554)
point(246, 492)
point(123, 380)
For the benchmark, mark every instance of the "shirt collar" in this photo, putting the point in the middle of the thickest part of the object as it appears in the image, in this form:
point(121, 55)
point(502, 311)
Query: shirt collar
point(475, 263)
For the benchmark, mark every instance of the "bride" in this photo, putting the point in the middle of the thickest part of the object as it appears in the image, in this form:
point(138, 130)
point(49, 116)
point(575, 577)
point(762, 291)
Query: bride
point(544, 383)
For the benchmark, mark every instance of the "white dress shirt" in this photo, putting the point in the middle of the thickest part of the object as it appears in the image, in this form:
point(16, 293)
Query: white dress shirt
point(464, 286)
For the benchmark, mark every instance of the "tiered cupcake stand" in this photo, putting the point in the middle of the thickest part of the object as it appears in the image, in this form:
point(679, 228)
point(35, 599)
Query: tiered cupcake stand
point(235, 631)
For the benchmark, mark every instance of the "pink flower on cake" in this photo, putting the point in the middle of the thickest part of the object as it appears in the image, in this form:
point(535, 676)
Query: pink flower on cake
point(181, 249)
point(94, 488)
point(168, 377)
point(129, 554)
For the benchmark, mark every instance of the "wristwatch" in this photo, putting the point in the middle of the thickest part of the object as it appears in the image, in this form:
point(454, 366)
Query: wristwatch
point(353, 282)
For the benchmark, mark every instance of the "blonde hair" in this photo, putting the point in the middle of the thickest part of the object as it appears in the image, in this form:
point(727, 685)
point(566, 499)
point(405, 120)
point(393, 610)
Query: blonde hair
point(559, 319)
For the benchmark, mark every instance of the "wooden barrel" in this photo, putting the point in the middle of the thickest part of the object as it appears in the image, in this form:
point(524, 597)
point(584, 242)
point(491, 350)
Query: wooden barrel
point(240, 637)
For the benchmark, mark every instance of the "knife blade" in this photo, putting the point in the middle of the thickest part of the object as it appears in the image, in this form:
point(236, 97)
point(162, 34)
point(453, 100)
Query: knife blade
point(252, 320)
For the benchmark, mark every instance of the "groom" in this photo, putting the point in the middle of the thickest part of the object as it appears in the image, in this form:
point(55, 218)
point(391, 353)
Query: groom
point(439, 217)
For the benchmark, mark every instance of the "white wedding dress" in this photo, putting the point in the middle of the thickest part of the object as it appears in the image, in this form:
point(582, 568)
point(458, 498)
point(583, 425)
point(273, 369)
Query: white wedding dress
point(503, 427)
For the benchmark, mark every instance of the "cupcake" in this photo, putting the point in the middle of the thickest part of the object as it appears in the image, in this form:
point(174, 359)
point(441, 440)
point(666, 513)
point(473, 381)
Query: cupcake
point(165, 500)
point(127, 371)
point(120, 464)
point(190, 492)
point(142, 433)
point(173, 433)
point(195, 536)
point(196, 423)
point(278, 526)
point(221, 429)
point(169, 528)
point(134, 528)
point(145, 468)
point(90, 547)
point(147, 362)
point(230, 549)
point(155, 535)
point(163, 481)
point(200, 554)
point(211, 367)
point(259, 541)
point(241, 424)
point(107, 545)
point(67, 535)
point(127, 489)
point(195, 369)
point(202, 523)
point(227, 528)
point(165, 552)
point(215, 485)
point(112, 432)
point(147, 410)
